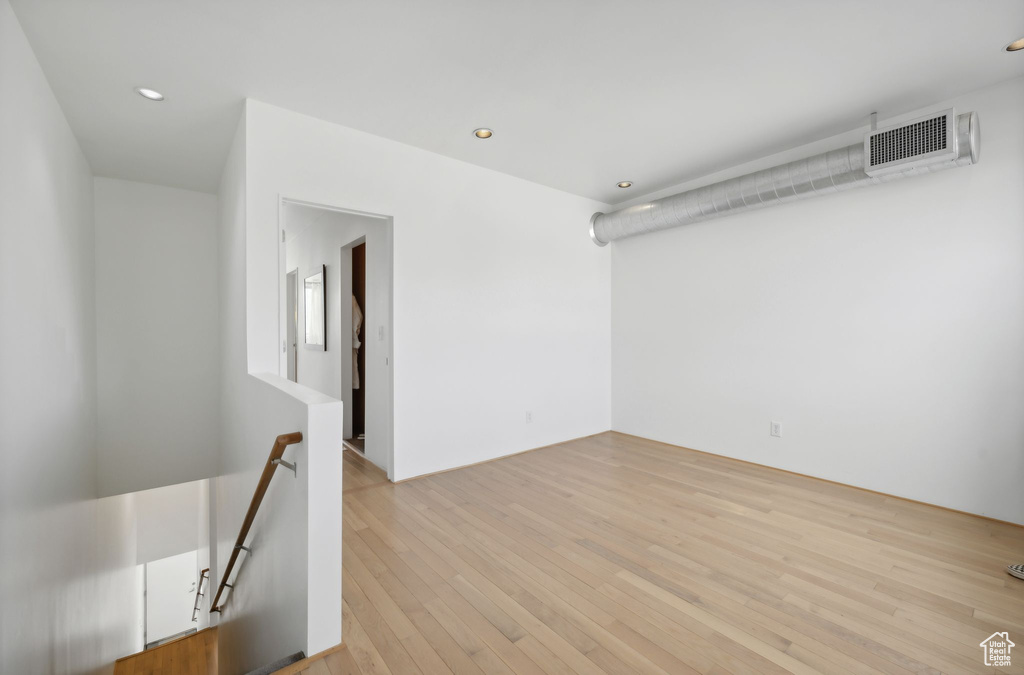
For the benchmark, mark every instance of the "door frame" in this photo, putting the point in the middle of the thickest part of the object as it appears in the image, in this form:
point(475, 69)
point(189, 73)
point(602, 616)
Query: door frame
point(387, 222)
point(292, 364)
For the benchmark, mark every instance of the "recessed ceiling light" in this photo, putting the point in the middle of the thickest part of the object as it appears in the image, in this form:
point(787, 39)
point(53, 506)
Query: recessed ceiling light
point(626, 184)
point(151, 94)
point(1015, 46)
point(483, 133)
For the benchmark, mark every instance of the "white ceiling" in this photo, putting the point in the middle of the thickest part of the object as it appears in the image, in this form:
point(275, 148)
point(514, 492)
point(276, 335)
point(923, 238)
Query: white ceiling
point(580, 93)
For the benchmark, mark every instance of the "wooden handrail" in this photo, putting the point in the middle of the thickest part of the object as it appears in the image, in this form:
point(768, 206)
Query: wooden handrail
point(199, 592)
point(282, 442)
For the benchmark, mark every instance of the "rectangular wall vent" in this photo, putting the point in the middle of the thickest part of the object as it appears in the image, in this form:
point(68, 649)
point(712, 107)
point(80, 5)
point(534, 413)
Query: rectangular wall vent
point(909, 141)
point(922, 141)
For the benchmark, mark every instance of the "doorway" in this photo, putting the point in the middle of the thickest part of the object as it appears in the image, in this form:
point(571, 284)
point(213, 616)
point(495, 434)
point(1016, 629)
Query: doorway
point(292, 324)
point(359, 322)
point(355, 364)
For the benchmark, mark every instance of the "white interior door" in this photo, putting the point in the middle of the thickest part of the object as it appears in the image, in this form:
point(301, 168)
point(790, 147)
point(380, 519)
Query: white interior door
point(170, 594)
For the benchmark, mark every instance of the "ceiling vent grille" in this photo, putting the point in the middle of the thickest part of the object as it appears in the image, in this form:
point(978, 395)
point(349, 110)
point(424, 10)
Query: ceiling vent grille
point(909, 141)
point(923, 140)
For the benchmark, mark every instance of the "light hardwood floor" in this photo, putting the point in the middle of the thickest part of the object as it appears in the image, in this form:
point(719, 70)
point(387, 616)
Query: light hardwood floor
point(614, 554)
point(195, 654)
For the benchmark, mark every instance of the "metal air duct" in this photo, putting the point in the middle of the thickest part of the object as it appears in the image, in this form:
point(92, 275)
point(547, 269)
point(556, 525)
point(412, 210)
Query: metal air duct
point(931, 143)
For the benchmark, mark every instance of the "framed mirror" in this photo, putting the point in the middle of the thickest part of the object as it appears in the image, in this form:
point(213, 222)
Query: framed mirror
point(315, 296)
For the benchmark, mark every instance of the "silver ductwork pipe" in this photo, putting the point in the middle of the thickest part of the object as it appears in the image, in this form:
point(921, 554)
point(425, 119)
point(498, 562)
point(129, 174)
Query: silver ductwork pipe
point(828, 172)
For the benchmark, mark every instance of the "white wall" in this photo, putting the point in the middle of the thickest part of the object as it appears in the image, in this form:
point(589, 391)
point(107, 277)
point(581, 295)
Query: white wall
point(287, 594)
point(883, 327)
point(501, 303)
point(167, 521)
point(158, 354)
point(204, 560)
point(68, 598)
point(315, 237)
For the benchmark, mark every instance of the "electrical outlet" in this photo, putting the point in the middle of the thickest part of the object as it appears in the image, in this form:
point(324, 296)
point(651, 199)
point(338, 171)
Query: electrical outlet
point(776, 429)
point(529, 416)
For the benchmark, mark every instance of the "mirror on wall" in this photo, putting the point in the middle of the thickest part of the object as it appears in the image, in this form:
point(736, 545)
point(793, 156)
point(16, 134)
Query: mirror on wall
point(316, 310)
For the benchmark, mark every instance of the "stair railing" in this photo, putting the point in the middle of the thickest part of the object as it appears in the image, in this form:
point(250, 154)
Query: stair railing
point(203, 576)
point(280, 445)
